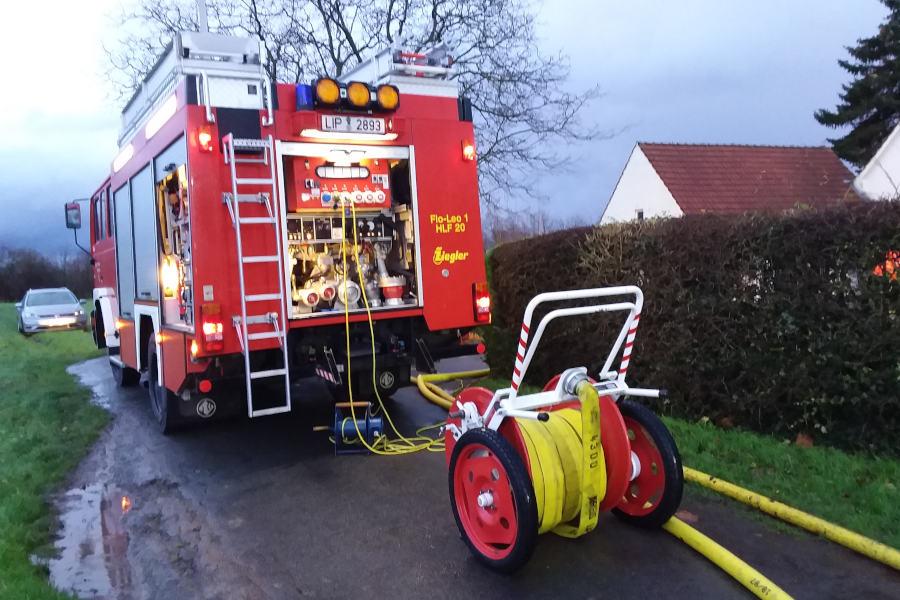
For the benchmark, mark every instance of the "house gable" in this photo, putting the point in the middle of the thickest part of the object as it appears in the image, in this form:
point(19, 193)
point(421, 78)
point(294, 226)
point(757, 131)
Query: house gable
point(639, 190)
point(880, 179)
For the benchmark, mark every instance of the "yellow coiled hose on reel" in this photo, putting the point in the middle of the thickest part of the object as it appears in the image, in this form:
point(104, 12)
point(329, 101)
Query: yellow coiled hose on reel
point(567, 471)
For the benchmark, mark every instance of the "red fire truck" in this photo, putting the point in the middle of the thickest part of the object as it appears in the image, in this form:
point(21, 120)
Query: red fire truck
point(244, 221)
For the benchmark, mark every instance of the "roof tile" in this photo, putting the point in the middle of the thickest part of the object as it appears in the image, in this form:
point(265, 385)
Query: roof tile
point(734, 178)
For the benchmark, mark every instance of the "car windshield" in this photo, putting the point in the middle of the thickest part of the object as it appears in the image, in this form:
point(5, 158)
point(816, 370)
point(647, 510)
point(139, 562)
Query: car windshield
point(50, 298)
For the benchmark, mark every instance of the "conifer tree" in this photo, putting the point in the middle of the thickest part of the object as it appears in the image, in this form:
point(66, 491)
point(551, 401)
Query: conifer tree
point(870, 103)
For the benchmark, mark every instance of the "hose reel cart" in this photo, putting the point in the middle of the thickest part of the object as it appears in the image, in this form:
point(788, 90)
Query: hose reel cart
point(521, 465)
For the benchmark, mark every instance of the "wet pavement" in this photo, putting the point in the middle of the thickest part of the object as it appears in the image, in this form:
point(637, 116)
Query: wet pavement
point(263, 509)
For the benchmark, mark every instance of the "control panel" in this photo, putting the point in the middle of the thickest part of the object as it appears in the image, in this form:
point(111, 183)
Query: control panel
point(313, 184)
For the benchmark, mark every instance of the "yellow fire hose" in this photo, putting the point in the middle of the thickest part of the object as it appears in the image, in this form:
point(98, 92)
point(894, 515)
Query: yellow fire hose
point(746, 575)
point(835, 533)
point(567, 471)
point(432, 392)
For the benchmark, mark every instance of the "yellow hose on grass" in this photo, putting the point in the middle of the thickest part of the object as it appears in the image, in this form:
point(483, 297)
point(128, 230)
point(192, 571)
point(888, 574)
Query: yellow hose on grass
point(856, 542)
point(743, 573)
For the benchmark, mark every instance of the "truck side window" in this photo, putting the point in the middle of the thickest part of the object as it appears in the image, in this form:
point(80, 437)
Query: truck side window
point(97, 221)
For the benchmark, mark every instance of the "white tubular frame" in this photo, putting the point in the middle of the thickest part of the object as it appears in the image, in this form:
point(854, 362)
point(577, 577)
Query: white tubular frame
point(629, 328)
point(507, 402)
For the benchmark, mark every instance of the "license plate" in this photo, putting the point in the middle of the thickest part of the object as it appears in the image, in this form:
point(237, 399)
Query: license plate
point(56, 322)
point(350, 124)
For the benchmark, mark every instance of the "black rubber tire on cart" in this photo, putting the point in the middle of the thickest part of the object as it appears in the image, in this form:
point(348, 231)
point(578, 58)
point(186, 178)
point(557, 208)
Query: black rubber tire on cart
point(503, 535)
point(163, 403)
point(654, 496)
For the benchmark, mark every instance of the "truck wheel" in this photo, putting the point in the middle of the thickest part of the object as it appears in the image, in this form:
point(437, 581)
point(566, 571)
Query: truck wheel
point(387, 384)
point(95, 326)
point(124, 376)
point(163, 403)
point(493, 500)
point(655, 494)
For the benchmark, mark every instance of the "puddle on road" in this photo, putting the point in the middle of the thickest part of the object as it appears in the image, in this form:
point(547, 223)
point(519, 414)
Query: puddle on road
point(95, 375)
point(91, 557)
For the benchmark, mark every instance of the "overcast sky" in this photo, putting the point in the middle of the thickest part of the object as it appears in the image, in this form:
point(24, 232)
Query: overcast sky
point(693, 71)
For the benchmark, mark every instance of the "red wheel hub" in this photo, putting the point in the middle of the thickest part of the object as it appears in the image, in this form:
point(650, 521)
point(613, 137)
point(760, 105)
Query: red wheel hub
point(645, 491)
point(484, 501)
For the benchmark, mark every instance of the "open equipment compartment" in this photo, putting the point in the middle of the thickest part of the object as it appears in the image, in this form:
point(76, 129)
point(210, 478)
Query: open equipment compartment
point(318, 183)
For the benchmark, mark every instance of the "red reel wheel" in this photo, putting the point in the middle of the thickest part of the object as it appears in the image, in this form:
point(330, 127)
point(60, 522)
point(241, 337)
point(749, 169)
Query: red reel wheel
point(616, 448)
point(493, 500)
point(655, 494)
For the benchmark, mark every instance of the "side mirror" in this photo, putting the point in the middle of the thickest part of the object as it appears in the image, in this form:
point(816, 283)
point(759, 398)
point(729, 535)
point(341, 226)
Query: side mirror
point(73, 215)
point(18, 306)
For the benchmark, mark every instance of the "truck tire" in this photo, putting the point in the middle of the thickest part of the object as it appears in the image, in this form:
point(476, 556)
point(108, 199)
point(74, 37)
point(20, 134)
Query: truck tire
point(163, 403)
point(95, 326)
point(124, 376)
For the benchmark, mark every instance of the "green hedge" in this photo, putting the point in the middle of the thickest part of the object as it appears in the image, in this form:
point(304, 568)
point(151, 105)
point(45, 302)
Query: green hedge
point(775, 323)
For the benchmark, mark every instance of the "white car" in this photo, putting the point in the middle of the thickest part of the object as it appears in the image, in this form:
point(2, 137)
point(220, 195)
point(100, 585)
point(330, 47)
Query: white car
point(50, 309)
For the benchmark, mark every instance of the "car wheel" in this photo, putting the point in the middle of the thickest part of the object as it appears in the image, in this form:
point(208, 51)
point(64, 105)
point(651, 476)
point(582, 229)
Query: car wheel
point(162, 401)
point(124, 376)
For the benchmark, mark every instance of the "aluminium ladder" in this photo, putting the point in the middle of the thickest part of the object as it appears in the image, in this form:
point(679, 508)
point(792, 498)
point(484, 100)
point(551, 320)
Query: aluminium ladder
point(273, 319)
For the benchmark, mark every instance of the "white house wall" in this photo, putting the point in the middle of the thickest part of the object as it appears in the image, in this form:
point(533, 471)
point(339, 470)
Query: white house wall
point(639, 188)
point(880, 179)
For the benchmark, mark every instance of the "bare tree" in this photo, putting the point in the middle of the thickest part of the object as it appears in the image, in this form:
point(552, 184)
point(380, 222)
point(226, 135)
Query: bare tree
point(501, 225)
point(521, 108)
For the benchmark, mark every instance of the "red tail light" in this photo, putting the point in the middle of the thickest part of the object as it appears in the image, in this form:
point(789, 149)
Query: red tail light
point(481, 301)
point(211, 328)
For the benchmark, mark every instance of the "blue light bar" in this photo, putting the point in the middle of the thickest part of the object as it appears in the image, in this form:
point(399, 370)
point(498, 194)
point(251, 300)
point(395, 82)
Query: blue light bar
point(305, 97)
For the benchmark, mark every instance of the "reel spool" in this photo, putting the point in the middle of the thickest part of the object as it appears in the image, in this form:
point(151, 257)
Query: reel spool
point(507, 486)
point(345, 431)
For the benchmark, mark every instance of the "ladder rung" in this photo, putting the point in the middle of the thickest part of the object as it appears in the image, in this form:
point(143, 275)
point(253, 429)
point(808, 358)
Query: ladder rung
point(260, 259)
point(261, 297)
point(270, 411)
point(261, 319)
point(261, 161)
point(246, 198)
point(253, 181)
point(249, 143)
point(265, 335)
point(269, 373)
point(256, 220)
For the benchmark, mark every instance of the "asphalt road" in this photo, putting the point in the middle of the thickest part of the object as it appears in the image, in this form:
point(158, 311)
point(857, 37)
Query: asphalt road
point(263, 509)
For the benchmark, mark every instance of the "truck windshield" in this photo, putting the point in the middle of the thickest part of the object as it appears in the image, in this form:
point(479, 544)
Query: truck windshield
point(51, 298)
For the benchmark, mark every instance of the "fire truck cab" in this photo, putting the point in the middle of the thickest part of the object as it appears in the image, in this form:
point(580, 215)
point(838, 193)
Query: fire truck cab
point(247, 225)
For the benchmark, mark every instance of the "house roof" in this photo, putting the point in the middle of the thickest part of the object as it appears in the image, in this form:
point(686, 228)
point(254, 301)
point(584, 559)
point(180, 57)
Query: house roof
point(734, 179)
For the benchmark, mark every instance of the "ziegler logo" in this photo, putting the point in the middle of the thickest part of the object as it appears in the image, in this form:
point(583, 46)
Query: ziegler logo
point(441, 256)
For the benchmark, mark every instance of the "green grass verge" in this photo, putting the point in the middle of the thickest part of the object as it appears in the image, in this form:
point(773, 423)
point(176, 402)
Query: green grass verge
point(857, 491)
point(47, 423)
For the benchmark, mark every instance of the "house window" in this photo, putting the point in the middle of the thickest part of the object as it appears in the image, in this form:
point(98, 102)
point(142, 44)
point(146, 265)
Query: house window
point(640, 214)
